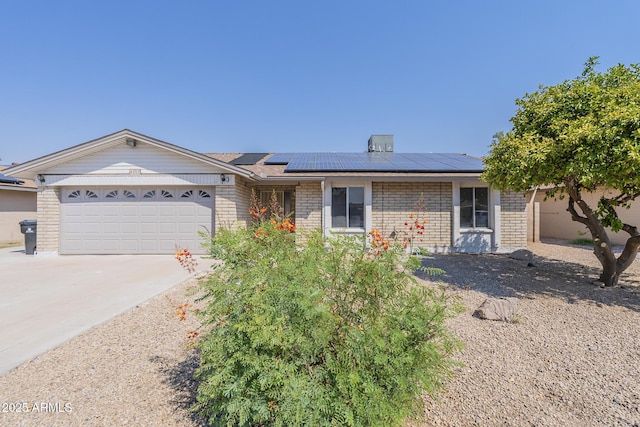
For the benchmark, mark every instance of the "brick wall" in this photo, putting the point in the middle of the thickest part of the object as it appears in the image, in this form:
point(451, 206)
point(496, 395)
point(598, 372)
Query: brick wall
point(243, 202)
point(308, 206)
point(513, 220)
point(231, 202)
point(393, 202)
point(48, 218)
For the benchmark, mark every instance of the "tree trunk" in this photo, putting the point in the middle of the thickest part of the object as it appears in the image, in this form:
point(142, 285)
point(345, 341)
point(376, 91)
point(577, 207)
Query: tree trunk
point(612, 267)
point(609, 275)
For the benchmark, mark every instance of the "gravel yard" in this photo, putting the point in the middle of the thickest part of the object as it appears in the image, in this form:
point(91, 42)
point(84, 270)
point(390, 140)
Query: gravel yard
point(570, 358)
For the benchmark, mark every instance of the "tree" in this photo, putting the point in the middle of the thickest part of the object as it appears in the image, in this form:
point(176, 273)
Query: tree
point(576, 137)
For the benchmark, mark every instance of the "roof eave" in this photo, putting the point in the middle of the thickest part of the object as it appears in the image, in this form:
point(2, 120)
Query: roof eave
point(30, 168)
point(18, 188)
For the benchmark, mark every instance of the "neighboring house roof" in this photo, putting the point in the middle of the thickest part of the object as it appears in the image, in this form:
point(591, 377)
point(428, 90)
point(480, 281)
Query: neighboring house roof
point(10, 183)
point(8, 180)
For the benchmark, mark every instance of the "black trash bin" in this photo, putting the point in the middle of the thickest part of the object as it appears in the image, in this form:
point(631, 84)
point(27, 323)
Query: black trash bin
point(29, 228)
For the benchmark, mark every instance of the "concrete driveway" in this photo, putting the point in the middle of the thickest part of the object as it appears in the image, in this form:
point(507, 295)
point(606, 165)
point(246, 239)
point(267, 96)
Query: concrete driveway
point(47, 300)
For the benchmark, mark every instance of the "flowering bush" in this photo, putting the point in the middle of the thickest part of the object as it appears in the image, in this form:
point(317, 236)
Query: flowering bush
point(376, 242)
point(186, 260)
point(320, 335)
point(277, 219)
point(415, 225)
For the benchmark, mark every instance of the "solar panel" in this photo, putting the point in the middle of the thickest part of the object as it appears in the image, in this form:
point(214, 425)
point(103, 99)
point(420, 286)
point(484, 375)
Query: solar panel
point(9, 180)
point(248, 159)
point(378, 162)
point(279, 159)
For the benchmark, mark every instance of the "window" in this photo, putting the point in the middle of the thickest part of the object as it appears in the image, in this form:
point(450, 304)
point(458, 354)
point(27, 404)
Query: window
point(149, 194)
point(347, 207)
point(112, 194)
point(474, 207)
point(283, 197)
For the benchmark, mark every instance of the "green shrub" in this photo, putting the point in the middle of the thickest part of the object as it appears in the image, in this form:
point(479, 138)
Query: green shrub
point(329, 334)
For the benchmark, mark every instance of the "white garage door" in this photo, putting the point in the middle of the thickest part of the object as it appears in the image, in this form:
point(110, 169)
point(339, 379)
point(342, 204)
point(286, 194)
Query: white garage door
point(134, 220)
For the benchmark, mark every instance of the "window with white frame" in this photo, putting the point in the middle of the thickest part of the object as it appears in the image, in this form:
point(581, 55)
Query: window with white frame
point(474, 207)
point(347, 207)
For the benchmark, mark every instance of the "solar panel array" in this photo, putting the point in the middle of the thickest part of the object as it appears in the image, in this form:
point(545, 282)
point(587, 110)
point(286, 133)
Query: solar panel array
point(376, 162)
point(248, 159)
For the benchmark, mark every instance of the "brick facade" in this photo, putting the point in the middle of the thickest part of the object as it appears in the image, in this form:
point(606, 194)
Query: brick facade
point(513, 220)
point(393, 202)
point(231, 207)
point(308, 206)
point(48, 218)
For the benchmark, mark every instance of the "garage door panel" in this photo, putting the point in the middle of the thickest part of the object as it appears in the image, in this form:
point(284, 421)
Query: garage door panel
point(130, 210)
point(186, 228)
point(111, 228)
point(146, 228)
point(112, 245)
point(92, 210)
point(167, 211)
point(74, 228)
point(167, 228)
point(169, 245)
point(187, 210)
point(110, 210)
point(149, 210)
point(129, 245)
point(151, 225)
point(92, 227)
point(92, 244)
point(149, 245)
point(129, 228)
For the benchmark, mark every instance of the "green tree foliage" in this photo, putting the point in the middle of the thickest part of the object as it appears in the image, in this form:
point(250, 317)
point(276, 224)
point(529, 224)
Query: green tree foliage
point(328, 334)
point(576, 137)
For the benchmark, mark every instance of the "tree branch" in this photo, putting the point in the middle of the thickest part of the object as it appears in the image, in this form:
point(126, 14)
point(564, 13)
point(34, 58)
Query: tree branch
point(632, 230)
point(575, 216)
point(601, 245)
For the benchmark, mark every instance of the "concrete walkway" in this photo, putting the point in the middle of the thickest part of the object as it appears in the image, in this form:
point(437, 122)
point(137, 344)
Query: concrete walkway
point(47, 300)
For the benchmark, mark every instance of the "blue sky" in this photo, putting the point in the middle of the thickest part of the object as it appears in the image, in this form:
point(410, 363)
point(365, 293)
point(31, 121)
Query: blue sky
point(280, 76)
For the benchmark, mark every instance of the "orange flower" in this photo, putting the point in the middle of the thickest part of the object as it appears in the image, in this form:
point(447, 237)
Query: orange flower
point(260, 233)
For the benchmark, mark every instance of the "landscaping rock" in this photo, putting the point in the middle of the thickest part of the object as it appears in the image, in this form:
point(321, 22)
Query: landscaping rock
point(497, 309)
point(522, 255)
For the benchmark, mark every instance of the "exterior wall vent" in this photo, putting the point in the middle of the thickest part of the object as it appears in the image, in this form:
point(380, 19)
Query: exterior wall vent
point(381, 143)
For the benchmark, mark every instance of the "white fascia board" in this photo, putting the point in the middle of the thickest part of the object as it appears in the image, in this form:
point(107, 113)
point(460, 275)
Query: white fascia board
point(12, 188)
point(137, 180)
